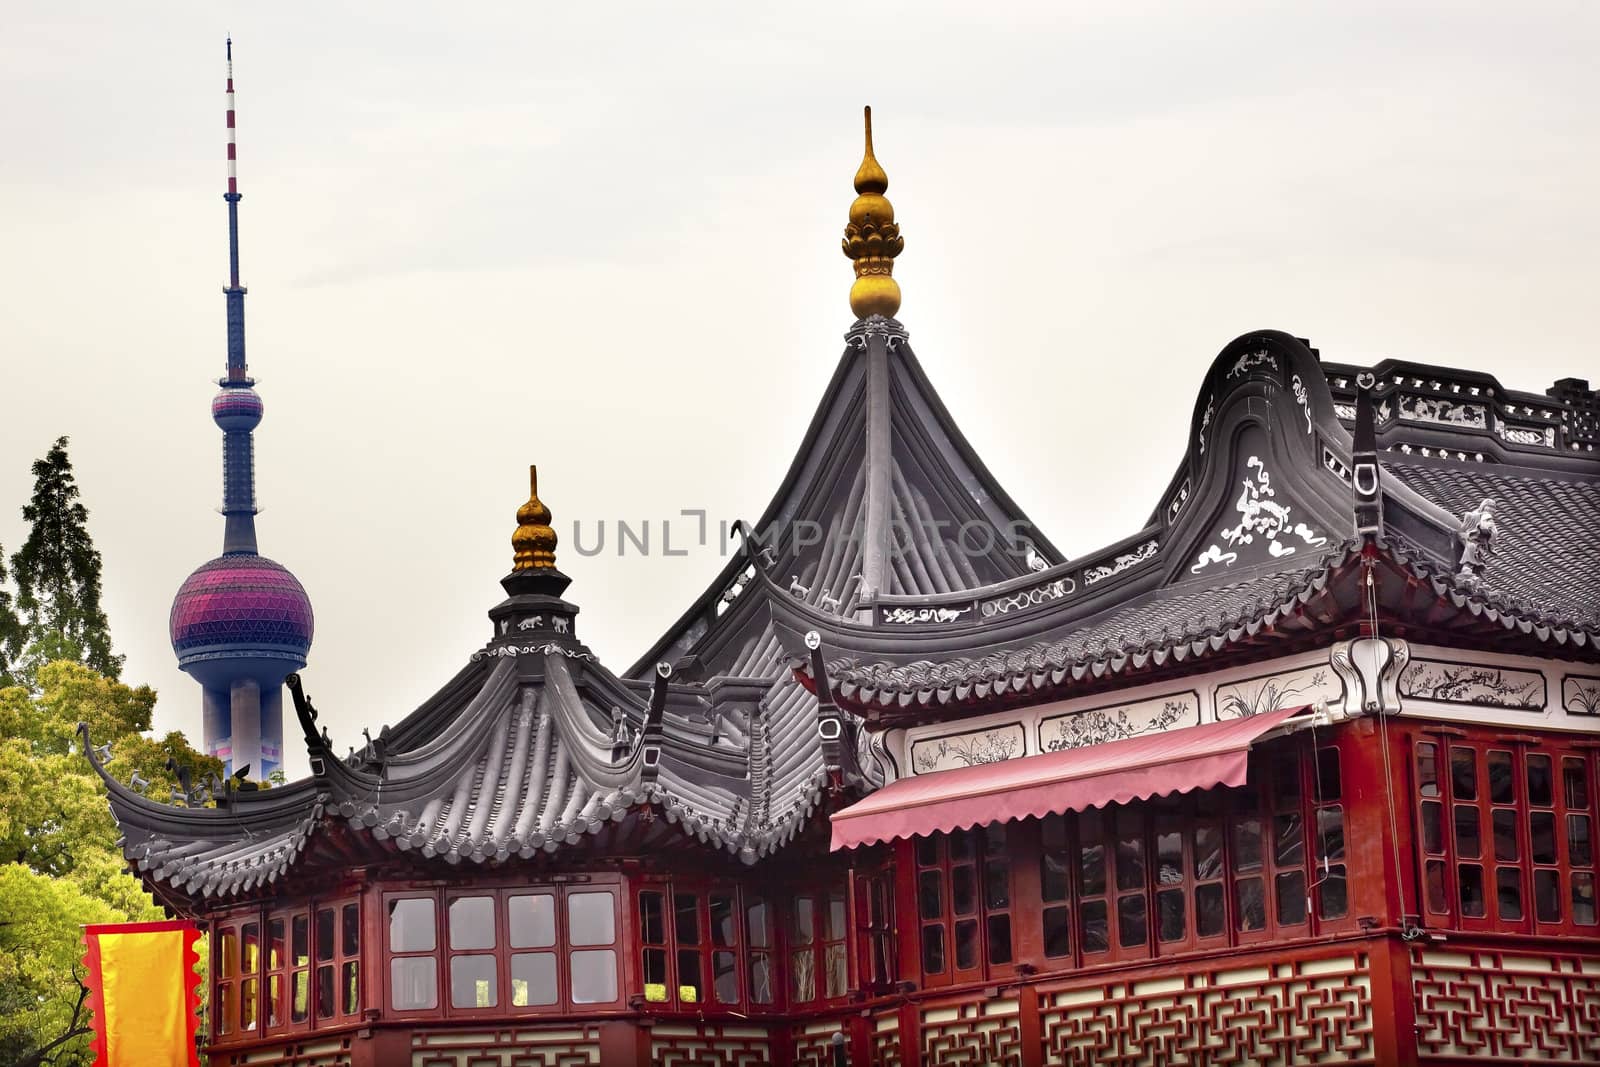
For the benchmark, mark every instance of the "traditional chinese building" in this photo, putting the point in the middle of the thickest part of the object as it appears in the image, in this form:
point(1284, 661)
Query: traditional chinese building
point(1304, 770)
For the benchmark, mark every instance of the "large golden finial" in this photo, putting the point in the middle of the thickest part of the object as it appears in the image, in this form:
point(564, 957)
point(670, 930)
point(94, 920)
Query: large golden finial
point(535, 539)
point(872, 240)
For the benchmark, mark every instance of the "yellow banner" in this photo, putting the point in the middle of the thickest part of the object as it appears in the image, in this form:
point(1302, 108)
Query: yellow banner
point(142, 993)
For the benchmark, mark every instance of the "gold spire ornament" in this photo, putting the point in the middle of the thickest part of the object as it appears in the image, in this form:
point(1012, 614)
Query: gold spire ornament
point(535, 540)
point(872, 240)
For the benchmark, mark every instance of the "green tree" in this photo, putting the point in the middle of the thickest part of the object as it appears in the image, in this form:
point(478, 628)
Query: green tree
point(59, 863)
point(58, 575)
point(11, 633)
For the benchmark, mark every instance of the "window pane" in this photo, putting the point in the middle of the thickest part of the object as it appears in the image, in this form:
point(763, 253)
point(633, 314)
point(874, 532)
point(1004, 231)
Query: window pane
point(327, 991)
point(410, 927)
point(837, 916)
point(1328, 782)
point(1096, 934)
point(691, 983)
point(325, 935)
point(471, 924)
point(725, 977)
point(533, 979)
point(1169, 852)
point(412, 983)
point(1057, 932)
point(930, 898)
point(1508, 890)
point(803, 975)
point(1210, 915)
point(963, 890)
point(531, 920)
point(300, 938)
point(472, 982)
point(1432, 827)
point(300, 996)
point(1583, 902)
point(835, 983)
point(277, 946)
point(724, 924)
point(1052, 876)
point(1428, 769)
point(1499, 768)
point(1170, 915)
point(997, 883)
point(1130, 851)
point(1547, 896)
point(592, 920)
point(1091, 868)
point(655, 974)
point(275, 1000)
point(1249, 905)
point(1332, 894)
point(686, 917)
point(351, 923)
point(1288, 834)
point(1207, 853)
point(1575, 782)
point(927, 851)
point(1463, 774)
point(594, 971)
point(1053, 833)
point(1000, 938)
point(1504, 821)
point(223, 1015)
point(1247, 845)
point(1467, 842)
point(1290, 889)
point(757, 924)
point(1330, 832)
point(248, 991)
point(760, 978)
point(1541, 836)
point(351, 984)
point(966, 944)
point(1434, 887)
point(961, 844)
point(802, 922)
point(1469, 880)
point(932, 949)
point(1541, 784)
point(227, 953)
point(1131, 931)
point(250, 952)
point(652, 921)
point(1286, 780)
point(1580, 846)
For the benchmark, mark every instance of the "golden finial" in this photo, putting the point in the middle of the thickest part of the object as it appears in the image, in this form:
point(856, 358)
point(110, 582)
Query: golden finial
point(535, 539)
point(872, 239)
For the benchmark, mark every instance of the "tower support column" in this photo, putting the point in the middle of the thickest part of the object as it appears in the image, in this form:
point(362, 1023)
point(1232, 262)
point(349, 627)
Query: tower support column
point(245, 706)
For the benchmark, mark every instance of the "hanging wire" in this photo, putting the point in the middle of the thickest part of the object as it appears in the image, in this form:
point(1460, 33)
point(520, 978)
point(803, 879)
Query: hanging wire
point(1370, 599)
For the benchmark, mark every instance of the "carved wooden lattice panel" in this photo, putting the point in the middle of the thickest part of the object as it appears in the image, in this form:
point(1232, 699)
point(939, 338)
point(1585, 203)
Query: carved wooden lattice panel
point(983, 1033)
point(331, 1052)
point(567, 1046)
point(1304, 1011)
point(813, 1043)
point(709, 1046)
point(1497, 1005)
point(886, 1040)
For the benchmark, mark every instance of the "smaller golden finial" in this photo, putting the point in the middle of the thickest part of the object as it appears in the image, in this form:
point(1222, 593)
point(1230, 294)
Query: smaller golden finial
point(535, 540)
point(872, 239)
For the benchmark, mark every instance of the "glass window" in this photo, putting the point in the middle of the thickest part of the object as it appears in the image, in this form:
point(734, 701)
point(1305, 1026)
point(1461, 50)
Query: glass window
point(351, 985)
point(472, 924)
point(1328, 778)
point(1583, 898)
point(327, 991)
point(1500, 785)
point(591, 920)
point(1463, 774)
point(300, 945)
point(227, 953)
point(1508, 889)
point(351, 921)
point(248, 992)
point(1541, 786)
point(533, 979)
point(250, 952)
point(1250, 905)
point(1467, 840)
point(531, 921)
point(724, 921)
point(1096, 932)
point(1469, 879)
point(1428, 769)
point(413, 983)
point(325, 935)
point(1210, 912)
point(1131, 928)
point(411, 927)
point(1057, 932)
point(932, 951)
point(725, 977)
point(594, 972)
point(1575, 783)
point(686, 913)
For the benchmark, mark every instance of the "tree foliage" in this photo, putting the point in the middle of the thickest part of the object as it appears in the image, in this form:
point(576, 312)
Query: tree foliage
point(59, 863)
point(11, 632)
point(57, 572)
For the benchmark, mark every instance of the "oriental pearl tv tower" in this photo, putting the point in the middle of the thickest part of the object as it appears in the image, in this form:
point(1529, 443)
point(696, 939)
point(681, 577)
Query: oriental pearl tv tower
point(241, 623)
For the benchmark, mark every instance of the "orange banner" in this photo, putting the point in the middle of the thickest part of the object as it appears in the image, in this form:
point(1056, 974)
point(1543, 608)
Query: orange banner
point(143, 993)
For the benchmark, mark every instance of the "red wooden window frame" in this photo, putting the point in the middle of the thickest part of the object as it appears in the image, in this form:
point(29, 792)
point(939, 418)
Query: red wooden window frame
point(964, 900)
point(691, 937)
point(875, 931)
point(273, 992)
point(1505, 833)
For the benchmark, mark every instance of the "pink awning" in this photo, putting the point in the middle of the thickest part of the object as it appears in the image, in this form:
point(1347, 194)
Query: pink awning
point(1175, 761)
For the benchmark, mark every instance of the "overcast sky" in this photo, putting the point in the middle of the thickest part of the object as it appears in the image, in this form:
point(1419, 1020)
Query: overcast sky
point(605, 238)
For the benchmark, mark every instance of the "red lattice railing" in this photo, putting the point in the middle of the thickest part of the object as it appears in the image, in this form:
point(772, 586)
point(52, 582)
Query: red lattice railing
point(1491, 1005)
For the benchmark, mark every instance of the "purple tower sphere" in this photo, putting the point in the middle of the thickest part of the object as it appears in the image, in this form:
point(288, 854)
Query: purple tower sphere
point(236, 408)
point(241, 616)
